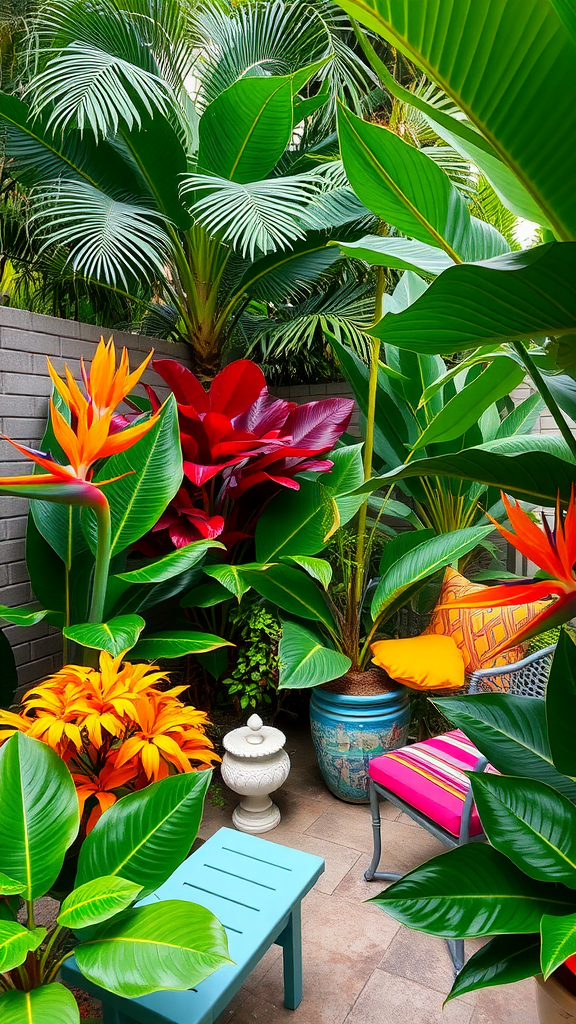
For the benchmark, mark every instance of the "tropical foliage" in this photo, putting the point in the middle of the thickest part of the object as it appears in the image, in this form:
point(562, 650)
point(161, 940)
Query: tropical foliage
point(520, 888)
point(133, 849)
point(114, 727)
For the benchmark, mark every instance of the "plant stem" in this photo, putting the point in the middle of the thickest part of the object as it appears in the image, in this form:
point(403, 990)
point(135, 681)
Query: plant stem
point(55, 935)
point(102, 561)
point(541, 386)
point(30, 923)
point(57, 966)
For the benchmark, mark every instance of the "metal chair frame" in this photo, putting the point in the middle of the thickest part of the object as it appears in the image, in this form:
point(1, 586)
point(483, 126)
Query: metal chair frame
point(527, 666)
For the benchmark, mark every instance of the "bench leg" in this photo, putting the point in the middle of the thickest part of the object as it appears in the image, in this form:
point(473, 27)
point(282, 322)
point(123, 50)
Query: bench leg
point(291, 942)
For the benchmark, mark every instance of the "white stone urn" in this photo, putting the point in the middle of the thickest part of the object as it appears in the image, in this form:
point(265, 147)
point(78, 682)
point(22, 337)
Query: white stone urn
point(255, 765)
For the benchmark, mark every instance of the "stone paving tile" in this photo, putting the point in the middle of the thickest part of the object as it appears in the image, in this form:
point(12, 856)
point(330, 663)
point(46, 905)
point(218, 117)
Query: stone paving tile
point(506, 1004)
point(332, 982)
point(368, 932)
point(389, 999)
point(419, 957)
point(307, 782)
point(338, 859)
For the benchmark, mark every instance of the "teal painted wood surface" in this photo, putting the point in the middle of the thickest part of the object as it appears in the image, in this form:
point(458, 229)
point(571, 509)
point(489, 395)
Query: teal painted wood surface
point(255, 888)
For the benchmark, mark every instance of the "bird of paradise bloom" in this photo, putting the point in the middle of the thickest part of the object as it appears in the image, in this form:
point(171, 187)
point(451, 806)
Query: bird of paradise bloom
point(553, 551)
point(115, 729)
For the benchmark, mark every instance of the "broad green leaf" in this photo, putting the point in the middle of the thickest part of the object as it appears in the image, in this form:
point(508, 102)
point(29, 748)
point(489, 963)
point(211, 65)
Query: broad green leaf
point(527, 294)
point(531, 468)
point(23, 616)
point(49, 1004)
point(318, 568)
point(39, 815)
point(567, 14)
point(245, 130)
point(405, 188)
point(509, 67)
point(346, 474)
point(207, 595)
point(16, 941)
point(398, 253)
point(9, 886)
point(523, 419)
point(504, 959)
point(399, 546)
point(230, 577)
point(8, 672)
point(171, 565)
point(153, 468)
point(305, 660)
point(96, 901)
point(561, 704)
point(470, 891)
point(421, 562)
point(511, 732)
point(115, 636)
point(153, 147)
point(292, 591)
point(297, 523)
point(461, 412)
point(146, 835)
point(168, 945)
point(558, 941)
point(175, 644)
point(479, 356)
point(531, 824)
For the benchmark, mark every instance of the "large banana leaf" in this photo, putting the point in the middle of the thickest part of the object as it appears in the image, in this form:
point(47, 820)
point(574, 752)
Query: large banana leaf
point(50, 1004)
point(532, 468)
point(528, 294)
point(167, 945)
point(297, 523)
point(175, 644)
point(39, 814)
point(305, 660)
point(292, 591)
point(95, 901)
point(511, 732)
point(146, 835)
point(16, 942)
point(405, 188)
point(558, 941)
point(509, 67)
point(151, 473)
point(419, 562)
point(470, 891)
point(398, 253)
point(115, 636)
point(504, 959)
point(463, 410)
point(530, 823)
point(561, 704)
point(245, 130)
point(172, 564)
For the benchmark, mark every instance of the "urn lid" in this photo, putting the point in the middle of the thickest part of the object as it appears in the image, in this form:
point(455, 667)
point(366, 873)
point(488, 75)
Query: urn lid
point(254, 739)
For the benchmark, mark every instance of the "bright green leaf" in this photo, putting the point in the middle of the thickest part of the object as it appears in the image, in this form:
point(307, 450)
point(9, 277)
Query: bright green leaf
point(171, 565)
point(22, 616)
point(318, 568)
point(175, 644)
point(96, 901)
point(305, 660)
point(16, 941)
point(115, 636)
point(398, 253)
point(558, 941)
point(49, 1004)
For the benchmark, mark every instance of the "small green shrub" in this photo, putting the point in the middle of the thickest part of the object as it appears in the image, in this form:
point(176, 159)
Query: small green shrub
point(253, 683)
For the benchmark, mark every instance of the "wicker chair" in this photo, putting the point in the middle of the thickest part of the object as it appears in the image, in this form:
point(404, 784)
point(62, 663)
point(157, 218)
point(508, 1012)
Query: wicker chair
point(430, 776)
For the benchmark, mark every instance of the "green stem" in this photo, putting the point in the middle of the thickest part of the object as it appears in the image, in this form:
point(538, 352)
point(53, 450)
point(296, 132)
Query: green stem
point(57, 967)
point(55, 934)
point(30, 923)
point(102, 566)
point(544, 390)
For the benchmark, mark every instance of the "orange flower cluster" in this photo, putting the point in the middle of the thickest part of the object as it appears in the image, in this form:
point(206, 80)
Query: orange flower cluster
point(115, 729)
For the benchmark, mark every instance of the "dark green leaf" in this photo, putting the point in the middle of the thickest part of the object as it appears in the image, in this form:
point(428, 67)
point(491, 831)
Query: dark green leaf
point(292, 591)
point(297, 523)
point(305, 660)
point(561, 704)
point(175, 644)
point(503, 960)
point(171, 565)
point(8, 672)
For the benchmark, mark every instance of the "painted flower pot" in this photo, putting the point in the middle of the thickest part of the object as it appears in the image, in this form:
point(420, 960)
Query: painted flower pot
point(349, 730)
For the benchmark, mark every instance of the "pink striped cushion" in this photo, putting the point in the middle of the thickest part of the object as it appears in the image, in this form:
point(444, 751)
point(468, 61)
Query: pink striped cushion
point(430, 777)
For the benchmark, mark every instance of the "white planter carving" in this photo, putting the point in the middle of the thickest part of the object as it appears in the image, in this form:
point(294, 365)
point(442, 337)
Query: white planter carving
point(254, 766)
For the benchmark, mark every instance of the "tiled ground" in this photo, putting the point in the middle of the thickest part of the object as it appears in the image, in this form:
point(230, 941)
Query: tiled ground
point(360, 967)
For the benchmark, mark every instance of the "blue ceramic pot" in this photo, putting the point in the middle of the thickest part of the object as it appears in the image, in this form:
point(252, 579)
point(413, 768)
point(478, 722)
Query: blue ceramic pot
point(348, 731)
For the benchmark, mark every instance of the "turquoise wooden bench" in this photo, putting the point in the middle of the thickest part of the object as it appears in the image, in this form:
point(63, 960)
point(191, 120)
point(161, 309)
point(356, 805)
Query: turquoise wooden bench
point(255, 888)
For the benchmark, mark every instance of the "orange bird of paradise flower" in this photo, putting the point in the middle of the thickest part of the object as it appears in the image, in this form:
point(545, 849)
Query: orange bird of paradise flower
point(553, 551)
point(89, 436)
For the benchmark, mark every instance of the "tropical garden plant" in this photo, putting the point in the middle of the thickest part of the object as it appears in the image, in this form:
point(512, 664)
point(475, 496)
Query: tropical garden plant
point(134, 848)
point(103, 485)
point(114, 728)
point(118, 93)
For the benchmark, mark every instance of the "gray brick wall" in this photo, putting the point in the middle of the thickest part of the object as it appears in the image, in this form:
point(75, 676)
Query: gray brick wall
point(25, 341)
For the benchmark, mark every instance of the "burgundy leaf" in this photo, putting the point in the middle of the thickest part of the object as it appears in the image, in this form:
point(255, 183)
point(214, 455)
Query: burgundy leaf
point(186, 387)
point(236, 388)
point(318, 425)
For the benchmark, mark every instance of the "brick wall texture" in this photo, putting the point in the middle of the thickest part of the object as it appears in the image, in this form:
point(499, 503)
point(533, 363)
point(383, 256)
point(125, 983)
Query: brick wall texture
point(25, 341)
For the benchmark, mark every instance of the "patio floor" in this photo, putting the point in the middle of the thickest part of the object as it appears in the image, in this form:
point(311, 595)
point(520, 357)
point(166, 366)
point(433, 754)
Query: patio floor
point(360, 966)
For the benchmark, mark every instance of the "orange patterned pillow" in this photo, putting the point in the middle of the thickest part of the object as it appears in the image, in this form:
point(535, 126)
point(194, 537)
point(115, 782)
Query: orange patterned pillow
point(478, 631)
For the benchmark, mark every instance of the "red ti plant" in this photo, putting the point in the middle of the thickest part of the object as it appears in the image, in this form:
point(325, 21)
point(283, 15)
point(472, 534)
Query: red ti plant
point(240, 445)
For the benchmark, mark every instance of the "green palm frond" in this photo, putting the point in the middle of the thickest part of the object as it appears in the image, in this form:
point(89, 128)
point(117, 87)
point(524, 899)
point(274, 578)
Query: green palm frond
point(337, 204)
point(107, 240)
point(487, 206)
point(257, 217)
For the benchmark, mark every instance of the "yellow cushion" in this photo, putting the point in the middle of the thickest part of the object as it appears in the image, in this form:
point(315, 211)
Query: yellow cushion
point(478, 631)
point(421, 662)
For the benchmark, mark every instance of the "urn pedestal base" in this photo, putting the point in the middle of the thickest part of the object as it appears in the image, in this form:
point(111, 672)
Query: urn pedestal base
point(256, 814)
point(255, 765)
